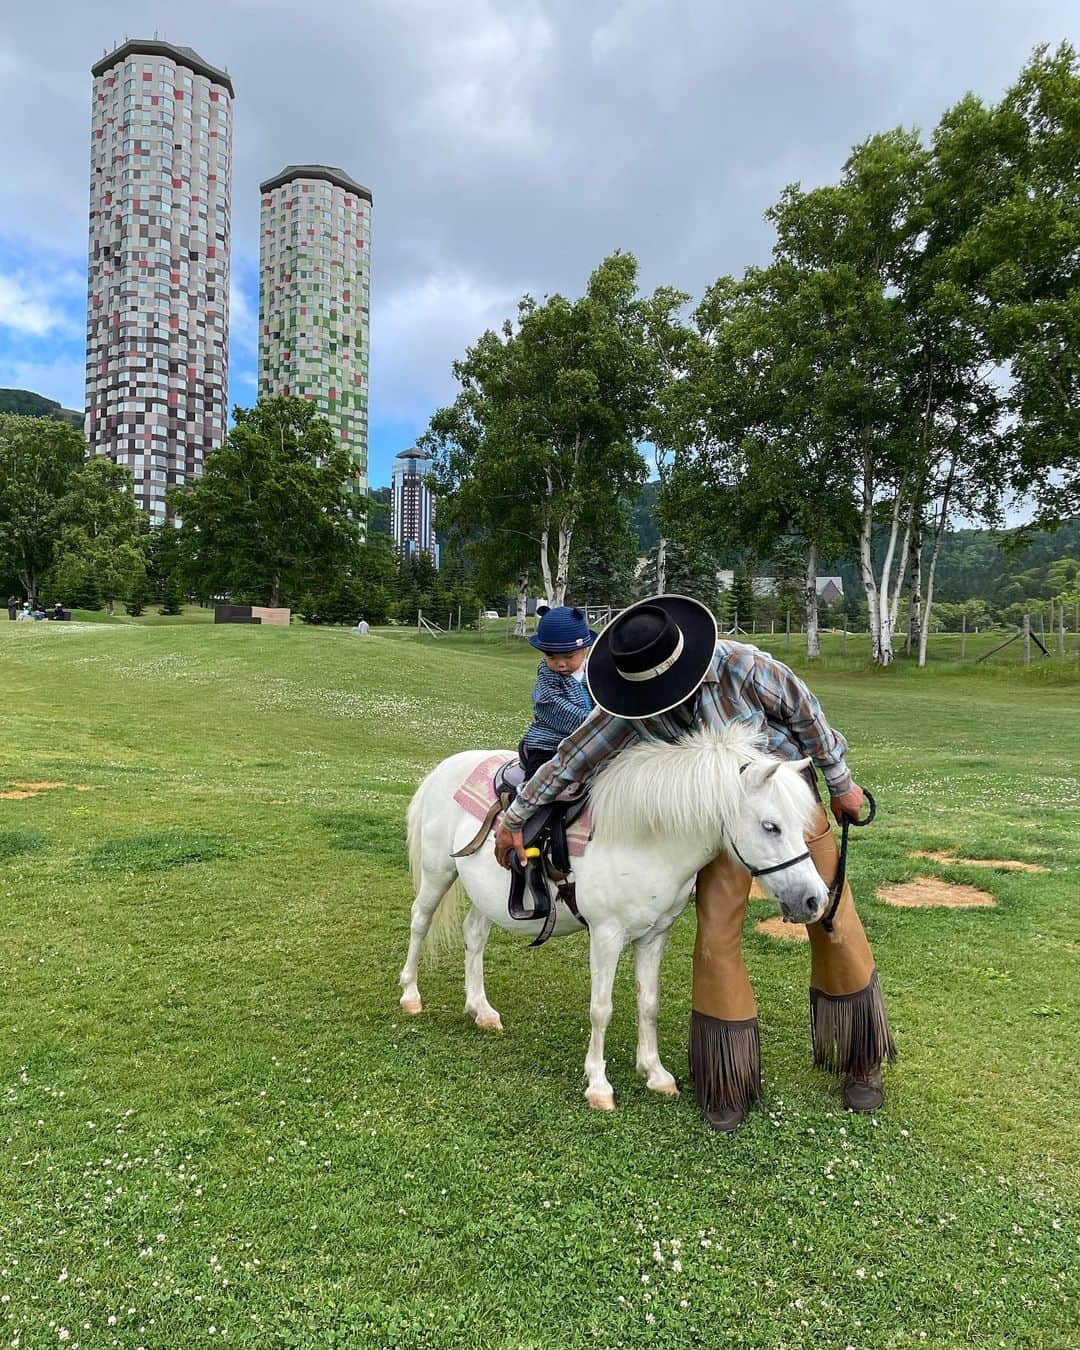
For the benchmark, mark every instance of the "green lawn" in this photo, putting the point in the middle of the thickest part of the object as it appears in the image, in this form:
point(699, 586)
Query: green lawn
point(217, 1126)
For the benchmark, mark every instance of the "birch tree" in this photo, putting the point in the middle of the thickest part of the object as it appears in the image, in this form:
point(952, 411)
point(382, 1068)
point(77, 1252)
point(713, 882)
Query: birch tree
point(549, 415)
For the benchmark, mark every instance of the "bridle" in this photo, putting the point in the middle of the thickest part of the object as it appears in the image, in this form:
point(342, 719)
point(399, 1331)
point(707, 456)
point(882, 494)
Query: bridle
point(837, 887)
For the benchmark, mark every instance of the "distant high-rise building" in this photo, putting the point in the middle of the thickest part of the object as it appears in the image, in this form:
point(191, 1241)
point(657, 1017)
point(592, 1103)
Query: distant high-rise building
point(157, 328)
point(314, 298)
point(412, 508)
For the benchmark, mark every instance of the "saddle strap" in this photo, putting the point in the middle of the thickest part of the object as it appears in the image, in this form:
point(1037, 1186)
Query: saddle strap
point(477, 841)
point(532, 876)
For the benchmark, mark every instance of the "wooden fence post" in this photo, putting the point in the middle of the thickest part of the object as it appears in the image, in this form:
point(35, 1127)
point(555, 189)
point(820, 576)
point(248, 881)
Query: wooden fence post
point(1061, 630)
point(787, 629)
point(963, 637)
point(1027, 639)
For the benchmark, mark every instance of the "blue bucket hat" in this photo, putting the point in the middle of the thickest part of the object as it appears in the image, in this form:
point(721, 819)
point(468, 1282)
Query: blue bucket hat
point(562, 629)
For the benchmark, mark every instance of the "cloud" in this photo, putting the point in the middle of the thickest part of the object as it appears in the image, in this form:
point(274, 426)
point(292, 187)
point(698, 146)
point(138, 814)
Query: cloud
point(509, 147)
point(33, 306)
point(62, 379)
point(419, 329)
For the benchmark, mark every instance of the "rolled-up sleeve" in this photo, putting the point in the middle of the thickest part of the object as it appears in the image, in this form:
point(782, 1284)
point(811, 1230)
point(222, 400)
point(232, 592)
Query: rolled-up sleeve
point(578, 757)
point(787, 699)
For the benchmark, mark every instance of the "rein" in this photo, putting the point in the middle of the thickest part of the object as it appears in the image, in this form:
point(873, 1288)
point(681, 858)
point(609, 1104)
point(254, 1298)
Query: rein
point(837, 888)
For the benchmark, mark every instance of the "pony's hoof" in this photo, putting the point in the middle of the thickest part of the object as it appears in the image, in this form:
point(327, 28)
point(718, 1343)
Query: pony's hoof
point(411, 1006)
point(664, 1089)
point(661, 1081)
point(493, 1023)
point(601, 1101)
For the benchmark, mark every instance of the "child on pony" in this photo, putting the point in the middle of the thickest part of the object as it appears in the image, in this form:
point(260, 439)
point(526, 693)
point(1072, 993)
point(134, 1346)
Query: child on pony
point(561, 700)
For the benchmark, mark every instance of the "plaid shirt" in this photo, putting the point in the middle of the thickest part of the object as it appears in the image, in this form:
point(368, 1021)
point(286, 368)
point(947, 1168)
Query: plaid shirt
point(743, 685)
point(560, 705)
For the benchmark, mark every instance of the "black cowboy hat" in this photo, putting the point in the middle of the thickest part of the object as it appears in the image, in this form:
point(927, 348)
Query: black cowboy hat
point(652, 656)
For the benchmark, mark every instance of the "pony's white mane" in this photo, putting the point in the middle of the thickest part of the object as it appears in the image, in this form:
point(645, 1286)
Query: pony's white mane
point(685, 787)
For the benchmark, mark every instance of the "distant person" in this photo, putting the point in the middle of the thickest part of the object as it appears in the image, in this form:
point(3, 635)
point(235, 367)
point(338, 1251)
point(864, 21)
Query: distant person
point(24, 614)
point(363, 628)
point(13, 607)
point(57, 611)
point(561, 700)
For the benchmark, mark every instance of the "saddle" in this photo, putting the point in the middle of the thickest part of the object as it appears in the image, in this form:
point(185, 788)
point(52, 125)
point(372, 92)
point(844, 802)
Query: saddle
point(544, 833)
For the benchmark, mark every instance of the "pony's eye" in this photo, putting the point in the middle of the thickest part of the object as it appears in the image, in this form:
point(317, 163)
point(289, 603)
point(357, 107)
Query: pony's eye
point(770, 827)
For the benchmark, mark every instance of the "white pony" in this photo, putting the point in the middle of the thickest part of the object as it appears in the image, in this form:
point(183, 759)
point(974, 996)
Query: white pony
point(660, 812)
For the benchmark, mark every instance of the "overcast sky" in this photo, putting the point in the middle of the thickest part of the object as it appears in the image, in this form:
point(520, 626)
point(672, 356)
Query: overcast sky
point(509, 146)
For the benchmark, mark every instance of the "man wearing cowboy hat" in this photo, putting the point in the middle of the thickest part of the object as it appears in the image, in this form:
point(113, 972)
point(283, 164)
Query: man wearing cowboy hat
point(658, 671)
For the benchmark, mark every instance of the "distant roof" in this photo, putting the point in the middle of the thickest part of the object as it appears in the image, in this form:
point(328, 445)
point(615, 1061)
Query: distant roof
point(184, 56)
point(325, 172)
point(413, 454)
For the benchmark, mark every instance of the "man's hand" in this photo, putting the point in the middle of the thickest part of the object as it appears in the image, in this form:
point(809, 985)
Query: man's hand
point(850, 804)
point(507, 842)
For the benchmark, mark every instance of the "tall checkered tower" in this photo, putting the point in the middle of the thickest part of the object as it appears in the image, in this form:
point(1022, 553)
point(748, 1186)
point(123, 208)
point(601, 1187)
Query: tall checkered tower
point(314, 298)
point(157, 329)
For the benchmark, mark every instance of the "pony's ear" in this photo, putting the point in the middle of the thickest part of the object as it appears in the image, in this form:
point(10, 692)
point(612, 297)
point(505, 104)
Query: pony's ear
point(757, 775)
point(801, 765)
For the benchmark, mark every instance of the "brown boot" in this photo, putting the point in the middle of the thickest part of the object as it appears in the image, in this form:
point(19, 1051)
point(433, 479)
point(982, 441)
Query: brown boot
point(725, 1066)
point(864, 1092)
point(725, 1119)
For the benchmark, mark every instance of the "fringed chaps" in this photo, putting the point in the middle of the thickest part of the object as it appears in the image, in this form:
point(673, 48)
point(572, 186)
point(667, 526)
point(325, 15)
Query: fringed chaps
point(851, 1031)
point(725, 1061)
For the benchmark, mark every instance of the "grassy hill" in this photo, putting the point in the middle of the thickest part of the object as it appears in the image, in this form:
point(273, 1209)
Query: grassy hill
point(35, 405)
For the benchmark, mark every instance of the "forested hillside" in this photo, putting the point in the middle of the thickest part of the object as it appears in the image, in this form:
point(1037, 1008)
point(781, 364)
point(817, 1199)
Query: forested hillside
point(36, 405)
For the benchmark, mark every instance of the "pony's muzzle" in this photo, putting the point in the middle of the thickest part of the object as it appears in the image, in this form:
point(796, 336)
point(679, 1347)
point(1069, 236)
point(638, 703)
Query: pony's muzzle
point(808, 910)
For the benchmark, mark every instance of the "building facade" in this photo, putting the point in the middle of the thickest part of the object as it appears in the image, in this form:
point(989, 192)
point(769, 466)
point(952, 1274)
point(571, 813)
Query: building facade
point(157, 329)
point(412, 507)
point(314, 298)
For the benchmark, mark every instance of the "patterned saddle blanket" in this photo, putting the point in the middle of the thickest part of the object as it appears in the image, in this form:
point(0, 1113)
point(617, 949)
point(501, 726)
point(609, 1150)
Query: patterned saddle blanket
point(479, 792)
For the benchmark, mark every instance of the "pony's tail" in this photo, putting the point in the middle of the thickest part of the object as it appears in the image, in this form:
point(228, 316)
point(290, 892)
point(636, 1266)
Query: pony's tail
point(447, 916)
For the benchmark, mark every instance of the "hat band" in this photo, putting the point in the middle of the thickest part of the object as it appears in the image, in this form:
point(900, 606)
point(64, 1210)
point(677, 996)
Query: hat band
point(638, 676)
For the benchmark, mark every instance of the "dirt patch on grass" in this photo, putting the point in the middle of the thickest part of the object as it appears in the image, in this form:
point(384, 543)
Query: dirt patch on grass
point(39, 787)
point(998, 864)
point(777, 928)
point(16, 796)
point(20, 791)
point(933, 893)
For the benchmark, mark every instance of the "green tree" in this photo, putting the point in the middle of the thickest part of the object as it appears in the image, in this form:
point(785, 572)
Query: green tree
point(38, 460)
point(270, 516)
point(105, 534)
point(544, 431)
point(741, 597)
point(689, 568)
point(163, 557)
point(170, 596)
point(138, 594)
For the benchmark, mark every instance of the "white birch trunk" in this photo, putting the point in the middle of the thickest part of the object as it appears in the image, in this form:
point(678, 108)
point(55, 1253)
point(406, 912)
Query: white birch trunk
point(901, 569)
point(914, 580)
point(562, 572)
point(813, 643)
point(661, 566)
point(866, 557)
point(939, 530)
point(545, 569)
point(885, 643)
point(522, 604)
